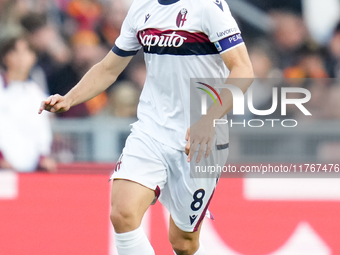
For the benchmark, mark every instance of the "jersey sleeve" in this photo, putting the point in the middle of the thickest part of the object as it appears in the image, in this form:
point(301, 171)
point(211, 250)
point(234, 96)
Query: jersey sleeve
point(220, 26)
point(127, 43)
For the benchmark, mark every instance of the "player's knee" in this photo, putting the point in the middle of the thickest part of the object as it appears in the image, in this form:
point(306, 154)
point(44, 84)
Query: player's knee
point(183, 246)
point(124, 219)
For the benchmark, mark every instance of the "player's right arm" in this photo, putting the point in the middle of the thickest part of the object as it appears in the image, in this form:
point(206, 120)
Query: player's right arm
point(95, 81)
point(103, 74)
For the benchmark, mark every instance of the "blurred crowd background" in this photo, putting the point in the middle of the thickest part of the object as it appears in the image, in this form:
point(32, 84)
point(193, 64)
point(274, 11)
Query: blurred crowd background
point(290, 42)
point(69, 37)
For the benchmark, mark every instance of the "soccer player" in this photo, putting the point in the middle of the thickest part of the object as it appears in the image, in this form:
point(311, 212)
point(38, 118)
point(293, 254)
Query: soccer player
point(181, 39)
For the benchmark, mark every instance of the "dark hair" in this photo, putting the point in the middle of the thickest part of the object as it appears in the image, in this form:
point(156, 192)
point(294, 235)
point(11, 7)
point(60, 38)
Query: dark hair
point(32, 22)
point(7, 45)
point(337, 28)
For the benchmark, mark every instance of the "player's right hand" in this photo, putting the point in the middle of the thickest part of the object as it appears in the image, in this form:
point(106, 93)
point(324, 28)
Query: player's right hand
point(55, 104)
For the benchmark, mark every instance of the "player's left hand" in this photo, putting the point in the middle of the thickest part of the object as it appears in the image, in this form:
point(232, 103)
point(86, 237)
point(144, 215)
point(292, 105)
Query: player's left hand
point(200, 134)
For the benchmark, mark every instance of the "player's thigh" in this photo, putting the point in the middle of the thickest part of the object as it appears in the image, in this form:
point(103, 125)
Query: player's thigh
point(130, 194)
point(186, 198)
point(138, 178)
point(129, 200)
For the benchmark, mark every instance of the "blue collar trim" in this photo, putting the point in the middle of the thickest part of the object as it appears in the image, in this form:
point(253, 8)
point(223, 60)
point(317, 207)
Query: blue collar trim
point(167, 2)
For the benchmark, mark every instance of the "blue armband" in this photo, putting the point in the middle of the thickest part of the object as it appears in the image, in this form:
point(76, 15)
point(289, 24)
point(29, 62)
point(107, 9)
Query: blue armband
point(228, 43)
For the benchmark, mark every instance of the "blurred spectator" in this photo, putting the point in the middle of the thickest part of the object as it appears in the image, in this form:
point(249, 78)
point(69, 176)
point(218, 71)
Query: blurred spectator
point(263, 59)
point(11, 11)
point(268, 5)
point(86, 12)
point(329, 152)
point(309, 64)
point(37, 74)
point(112, 20)
point(49, 44)
point(317, 105)
point(333, 103)
point(50, 8)
point(334, 54)
point(25, 137)
point(267, 75)
point(86, 51)
point(122, 101)
point(289, 36)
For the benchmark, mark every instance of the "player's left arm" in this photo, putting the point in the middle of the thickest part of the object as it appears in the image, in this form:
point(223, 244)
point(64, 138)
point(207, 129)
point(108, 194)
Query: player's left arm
point(241, 75)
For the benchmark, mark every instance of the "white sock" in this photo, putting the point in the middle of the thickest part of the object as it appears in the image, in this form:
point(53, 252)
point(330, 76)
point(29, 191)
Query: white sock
point(133, 242)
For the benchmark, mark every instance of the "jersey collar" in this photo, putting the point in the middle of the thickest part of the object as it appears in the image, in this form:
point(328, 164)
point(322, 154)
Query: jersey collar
point(167, 2)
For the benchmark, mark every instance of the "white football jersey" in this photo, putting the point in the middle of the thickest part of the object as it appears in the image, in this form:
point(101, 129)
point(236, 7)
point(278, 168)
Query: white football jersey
point(181, 40)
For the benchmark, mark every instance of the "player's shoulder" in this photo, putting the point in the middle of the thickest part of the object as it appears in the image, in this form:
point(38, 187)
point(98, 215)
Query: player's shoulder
point(138, 8)
point(139, 4)
point(220, 5)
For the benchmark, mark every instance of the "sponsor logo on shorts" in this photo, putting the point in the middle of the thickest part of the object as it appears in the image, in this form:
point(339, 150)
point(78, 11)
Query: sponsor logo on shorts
point(192, 219)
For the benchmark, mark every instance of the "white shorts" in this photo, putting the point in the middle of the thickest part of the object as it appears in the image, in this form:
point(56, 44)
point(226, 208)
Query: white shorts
point(166, 171)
